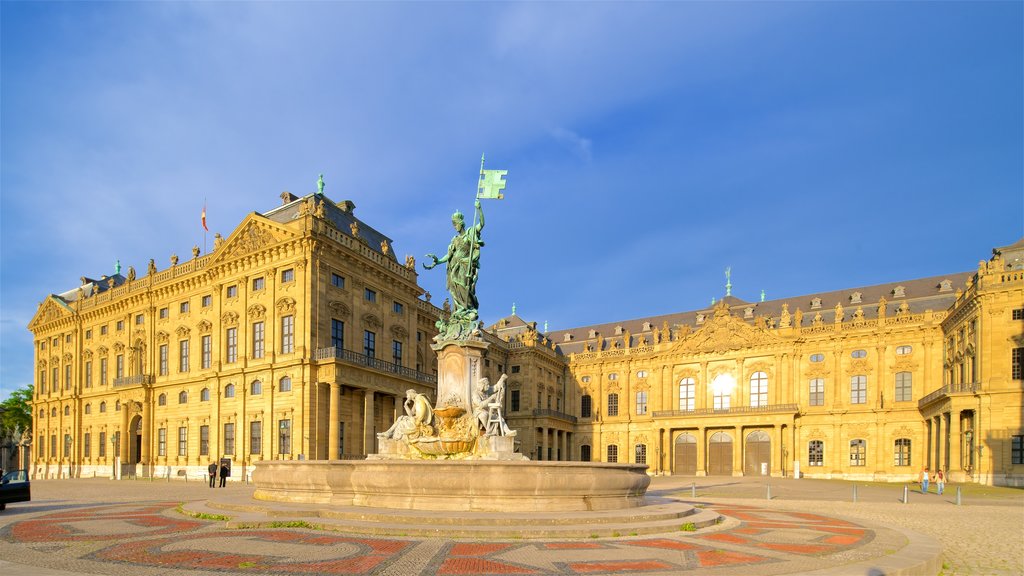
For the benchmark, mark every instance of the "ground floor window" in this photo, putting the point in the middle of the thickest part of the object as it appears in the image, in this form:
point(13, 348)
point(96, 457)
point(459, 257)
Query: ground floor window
point(1017, 450)
point(858, 452)
point(816, 453)
point(902, 452)
point(284, 436)
point(585, 453)
point(640, 453)
point(613, 453)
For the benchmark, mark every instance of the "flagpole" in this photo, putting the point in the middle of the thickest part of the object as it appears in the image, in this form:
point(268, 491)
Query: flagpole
point(472, 247)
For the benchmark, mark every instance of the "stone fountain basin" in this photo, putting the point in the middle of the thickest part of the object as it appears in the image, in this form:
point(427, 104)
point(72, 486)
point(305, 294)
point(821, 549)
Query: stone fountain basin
point(481, 485)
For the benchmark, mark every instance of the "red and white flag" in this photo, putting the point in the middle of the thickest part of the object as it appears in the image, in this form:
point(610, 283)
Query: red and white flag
point(204, 217)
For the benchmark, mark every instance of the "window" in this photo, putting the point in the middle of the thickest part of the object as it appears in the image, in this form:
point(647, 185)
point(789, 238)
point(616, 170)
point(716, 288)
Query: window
point(255, 388)
point(117, 405)
point(515, 369)
point(287, 334)
point(858, 354)
point(182, 441)
point(103, 407)
point(232, 345)
point(613, 376)
point(397, 308)
point(858, 452)
point(758, 389)
point(183, 356)
point(722, 399)
point(1017, 314)
point(103, 371)
point(256, 437)
point(257, 285)
point(284, 436)
point(120, 327)
point(183, 307)
point(232, 292)
point(67, 377)
point(204, 395)
point(183, 397)
point(641, 374)
point(88, 334)
point(285, 384)
point(161, 443)
point(206, 301)
point(337, 281)
point(816, 392)
point(337, 334)
point(585, 453)
point(1017, 364)
point(816, 453)
point(902, 452)
point(858, 390)
point(817, 357)
point(139, 319)
point(396, 352)
point(640, 454)
point(585, 379)
point(288, 275)
point(161, 400)
point(903, 350)
point(613, 453)
point(207, 352)
point(67, 445)
point(118, 367)
point(67, 410)
point(370, 295)
point(585, 406)
point(204, 440)
point(102, 446)
point(1017, 450)
point(87, 445)
point(229, 391)
point(53, 445)
point(229, 439)
point(88, 408)
point(257, 340)
point(53, 412)
point(103, 330)
point(514, 401)
point(903, 387)
point(369, 344)
point(641, 403)
point(613, 404)
point(163, 359)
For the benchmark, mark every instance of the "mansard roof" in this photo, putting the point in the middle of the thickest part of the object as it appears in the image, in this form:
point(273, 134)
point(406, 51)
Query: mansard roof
point(341, 214)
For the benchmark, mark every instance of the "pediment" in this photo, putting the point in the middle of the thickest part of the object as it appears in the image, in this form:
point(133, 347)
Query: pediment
point(254, 234)
point(723, 333)
point(49, 310)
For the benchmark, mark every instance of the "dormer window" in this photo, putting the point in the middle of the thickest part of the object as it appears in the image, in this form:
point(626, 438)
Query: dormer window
point(815, 303)
point(855, 298)
point(899, 292)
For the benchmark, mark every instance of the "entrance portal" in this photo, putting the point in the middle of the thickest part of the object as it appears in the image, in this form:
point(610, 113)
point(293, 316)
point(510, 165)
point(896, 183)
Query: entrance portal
point(686, 455)
point(720, 455)
point(758, 450)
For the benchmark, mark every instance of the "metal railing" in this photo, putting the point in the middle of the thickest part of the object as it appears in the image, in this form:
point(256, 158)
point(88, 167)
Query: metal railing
point(136, 380)
point(542, 412)
point(334, 353)
point(783, 408)
point(968, 388)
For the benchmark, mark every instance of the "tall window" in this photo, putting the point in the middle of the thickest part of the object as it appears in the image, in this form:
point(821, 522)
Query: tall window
point(686, 394)
point(337, 334)
point(285, 384)
point(256, 437)
point(1017, 450)
point(1017, 364)
point(204, 440)
point(87, 445)
point(396, 352)
point(232, 345)
point(902, 452)
point(858, 390)
point(369, 344)
point(641, 402)
point(816, 392)
point(585, 406)
point(758, 389)
point(118, 367)
point(513, 401)
point(257, 340)
point(67, 377)
point(287, 334)
point(585, 453)
point(103, 371)
point(816, 453)
point(101, 449)
point(183, 356)
point(613, 404)
point(284, 436)
point(53, 445)
point(722, 399)
point(67, 445)
point(858, 452)
point(161, 442)
point(613, 453)
point(182, 441)
point(904, 387)
point(161, 400)
point(163, 359)
point(207, 351)
point(54, 382)
point(640, 454)
point(229, 439)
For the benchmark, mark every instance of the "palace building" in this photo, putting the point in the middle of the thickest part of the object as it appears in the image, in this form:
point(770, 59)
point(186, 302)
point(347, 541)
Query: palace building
point(299, 334)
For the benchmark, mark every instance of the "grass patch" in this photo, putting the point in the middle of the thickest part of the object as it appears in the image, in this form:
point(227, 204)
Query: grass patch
point(593, 535)
point(616, 534)
point(688, 527)
point(247, 565)
point(632, 533)
point(292, 524)
point(201, 515)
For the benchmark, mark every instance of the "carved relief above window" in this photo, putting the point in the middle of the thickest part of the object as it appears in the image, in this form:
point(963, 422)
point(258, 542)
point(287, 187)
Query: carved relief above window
point(162, 336)
point(371, 321)
point(257, 311)
point(229, 319)
point(87, 354)
point(339, 308)
point(204, 327)
point(399, 332)
point(285, 305)
point(182, 331)
point(67, 357)
point(102, 350)
point(118, 347)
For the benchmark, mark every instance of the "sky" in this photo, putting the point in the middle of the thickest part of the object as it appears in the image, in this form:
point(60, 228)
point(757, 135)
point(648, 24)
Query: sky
point(809, 146)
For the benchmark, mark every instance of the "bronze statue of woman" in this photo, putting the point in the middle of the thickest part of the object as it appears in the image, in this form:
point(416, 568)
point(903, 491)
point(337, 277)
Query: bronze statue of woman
point(463, 259)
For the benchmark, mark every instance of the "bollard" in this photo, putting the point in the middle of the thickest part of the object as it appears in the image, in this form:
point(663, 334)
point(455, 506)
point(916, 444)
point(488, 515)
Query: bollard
point(769, 493)
point(957, 495)
point(693, 489)
point(906, 494)
point(854, 492)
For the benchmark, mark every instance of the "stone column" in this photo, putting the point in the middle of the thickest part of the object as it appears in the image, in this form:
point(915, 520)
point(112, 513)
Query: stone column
point(124, 451)
point(774, 468)
point(333, 406)
point(369, 436)
point(544, 443)
point(938, 442)
point(737, 451)
point(956, 438)
point(702, 450)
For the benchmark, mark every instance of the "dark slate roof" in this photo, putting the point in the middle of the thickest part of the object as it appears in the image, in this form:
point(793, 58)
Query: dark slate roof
point(91, 287)
point(341, 214)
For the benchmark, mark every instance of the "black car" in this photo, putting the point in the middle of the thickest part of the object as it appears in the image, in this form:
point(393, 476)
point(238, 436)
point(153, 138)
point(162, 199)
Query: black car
point(15, 487)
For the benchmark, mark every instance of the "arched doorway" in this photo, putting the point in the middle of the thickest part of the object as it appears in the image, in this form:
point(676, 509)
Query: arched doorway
point(758, 451)
point(685, 455)
point(135, 440)
point(720, 454)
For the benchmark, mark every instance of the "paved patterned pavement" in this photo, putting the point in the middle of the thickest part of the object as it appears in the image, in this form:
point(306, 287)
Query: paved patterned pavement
point(134, 527)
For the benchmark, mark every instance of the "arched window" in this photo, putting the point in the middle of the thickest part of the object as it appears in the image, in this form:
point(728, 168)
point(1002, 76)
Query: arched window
point(640, 454)
point(117, 406)
point(816, 453)
point(53, 412)
point(903, 350)
point(904, 387)
point(103, 407)
point(585, 453)
point(256, 388)
point(182, 397)
point(88, 408)
point(161, 400)
point(613, 453)
point(902, 452)
point(613, 404)
point(229, 391)
point(613, 376)
point(67, 410)
point(586, 406)
point(42, 413)
point(285, 384)
point(858, 452)
point(686, 394)
point(204, 395)
point(758, 389)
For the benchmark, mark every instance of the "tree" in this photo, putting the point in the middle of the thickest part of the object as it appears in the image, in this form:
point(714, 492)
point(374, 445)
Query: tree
point(15, 412)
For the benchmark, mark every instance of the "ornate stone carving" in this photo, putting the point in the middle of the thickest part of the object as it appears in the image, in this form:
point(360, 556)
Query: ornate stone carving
point(182, 331)
point(399, 331)
point(229, 318)
point(174, 260)
point(371, 320)
point(285, 305)
point(162, 336)
point(102, 350)
point(723, 332)
point(410, 261)
point(256, 311)
point(118, 347)
point(204, 326)
point(253, 238)
point(339, 308)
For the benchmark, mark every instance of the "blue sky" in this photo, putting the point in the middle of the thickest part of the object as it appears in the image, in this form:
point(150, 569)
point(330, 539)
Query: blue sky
point(809, 146)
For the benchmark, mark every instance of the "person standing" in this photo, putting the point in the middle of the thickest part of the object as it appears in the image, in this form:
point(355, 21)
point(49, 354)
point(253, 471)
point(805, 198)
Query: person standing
point(940, 481)
point(224, 473)
point(213, 473)
point(924, 480)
